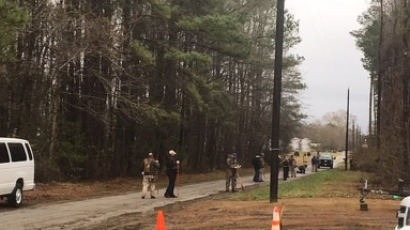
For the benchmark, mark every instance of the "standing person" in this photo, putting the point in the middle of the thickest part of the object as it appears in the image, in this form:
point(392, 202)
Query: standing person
point(150, 167)
point(172, 169)
point(256, 165)
point(262, 163)
point(285, 164)
point(292, 165)
point(313, 163)
point(232, 173)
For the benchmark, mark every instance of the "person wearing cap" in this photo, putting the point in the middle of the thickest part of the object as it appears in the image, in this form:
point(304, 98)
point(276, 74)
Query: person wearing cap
point(232, 173)
point(150, 167)
point(172, 169)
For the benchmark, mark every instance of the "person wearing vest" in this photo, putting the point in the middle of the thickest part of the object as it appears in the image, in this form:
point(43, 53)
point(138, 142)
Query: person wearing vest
point(150, 167)
point(285, 165)
point(231, 173)
point(172, 169)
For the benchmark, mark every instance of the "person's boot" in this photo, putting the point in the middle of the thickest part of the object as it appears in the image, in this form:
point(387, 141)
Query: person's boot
point(153, 197)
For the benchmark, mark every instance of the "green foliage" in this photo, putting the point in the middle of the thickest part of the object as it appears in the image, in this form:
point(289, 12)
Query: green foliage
point(162, 8)
point(367, 37)
point(71, 155)
point(137, 76)
point(320, 184)
point(12, 18)
point(190, 57)
point(143, 52)
point(223, 30)
point(157, 116)
point(195, 95)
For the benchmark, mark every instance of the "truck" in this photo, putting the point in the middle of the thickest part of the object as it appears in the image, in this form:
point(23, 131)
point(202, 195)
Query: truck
point(325, 160)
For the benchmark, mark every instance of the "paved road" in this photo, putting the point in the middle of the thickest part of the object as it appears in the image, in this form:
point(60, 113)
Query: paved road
point(77, 214)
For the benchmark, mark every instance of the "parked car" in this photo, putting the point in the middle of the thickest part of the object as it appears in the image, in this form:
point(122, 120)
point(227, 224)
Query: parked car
point(16, 169)
point(325, 160)
point(403, 215)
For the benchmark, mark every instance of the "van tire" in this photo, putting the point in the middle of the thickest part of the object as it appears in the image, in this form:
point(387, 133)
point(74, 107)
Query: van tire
point(15, 199)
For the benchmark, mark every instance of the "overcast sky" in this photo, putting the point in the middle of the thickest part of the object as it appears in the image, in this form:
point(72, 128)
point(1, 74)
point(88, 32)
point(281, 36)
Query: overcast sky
point(332, 60)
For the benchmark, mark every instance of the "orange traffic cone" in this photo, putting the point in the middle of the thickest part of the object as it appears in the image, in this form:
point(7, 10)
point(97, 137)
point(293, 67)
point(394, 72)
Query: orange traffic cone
point(275, 219)
point(160, 221)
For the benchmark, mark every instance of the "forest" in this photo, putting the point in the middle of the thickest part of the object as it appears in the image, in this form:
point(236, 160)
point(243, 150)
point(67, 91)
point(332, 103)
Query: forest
point(97, 84)
point(384, 39)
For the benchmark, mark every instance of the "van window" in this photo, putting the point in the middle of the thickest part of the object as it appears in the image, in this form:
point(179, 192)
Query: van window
point(17, 152)
point(4, 155)
point(30, 154)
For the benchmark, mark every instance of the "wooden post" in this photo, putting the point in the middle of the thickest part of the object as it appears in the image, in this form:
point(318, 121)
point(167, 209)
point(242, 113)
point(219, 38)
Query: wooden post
point(277, 90)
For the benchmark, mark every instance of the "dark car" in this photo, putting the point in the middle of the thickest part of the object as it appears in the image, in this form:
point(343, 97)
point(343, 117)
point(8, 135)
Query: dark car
point(325, 160)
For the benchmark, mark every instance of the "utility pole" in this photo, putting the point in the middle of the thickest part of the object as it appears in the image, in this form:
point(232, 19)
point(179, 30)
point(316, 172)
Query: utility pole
point(353, 143)
point(347, 129)
point(277, 91)
point(379, 80)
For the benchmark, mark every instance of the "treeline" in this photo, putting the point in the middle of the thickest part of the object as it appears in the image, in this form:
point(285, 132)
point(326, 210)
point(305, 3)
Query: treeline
point(330, 132)
point(384, 38)
point(95, 85)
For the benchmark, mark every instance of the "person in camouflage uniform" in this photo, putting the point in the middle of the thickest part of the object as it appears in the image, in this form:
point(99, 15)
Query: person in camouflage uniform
point(150, 168)
point(232, 172)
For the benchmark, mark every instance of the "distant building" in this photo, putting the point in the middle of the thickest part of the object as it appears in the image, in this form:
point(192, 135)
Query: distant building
point(295, 144)
point(301, 145)
point(305, 144)
point(315, 145)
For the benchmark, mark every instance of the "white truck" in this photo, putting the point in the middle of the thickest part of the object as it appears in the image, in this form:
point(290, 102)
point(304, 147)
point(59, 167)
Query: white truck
point(403, 215)
point(16, 169)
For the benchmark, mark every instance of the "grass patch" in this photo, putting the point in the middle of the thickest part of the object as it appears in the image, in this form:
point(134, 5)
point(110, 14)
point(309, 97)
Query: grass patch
point(330, 183)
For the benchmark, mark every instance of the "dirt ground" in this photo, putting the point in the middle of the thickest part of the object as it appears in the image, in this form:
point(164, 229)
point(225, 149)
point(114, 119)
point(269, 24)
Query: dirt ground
point(297, 214)
point(82, 213)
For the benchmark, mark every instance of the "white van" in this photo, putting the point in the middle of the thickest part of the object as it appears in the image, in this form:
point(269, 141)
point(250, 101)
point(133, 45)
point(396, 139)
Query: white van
point(403, 215)
point(16, 169)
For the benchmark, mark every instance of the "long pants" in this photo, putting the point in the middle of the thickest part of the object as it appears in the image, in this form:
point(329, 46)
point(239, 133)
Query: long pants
point(314, 168)
point(292, 171)
point(172, 176)
point(260, 174)
point(256, 177)
point(231, 176)
point(285, 173)
point(148, 185)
